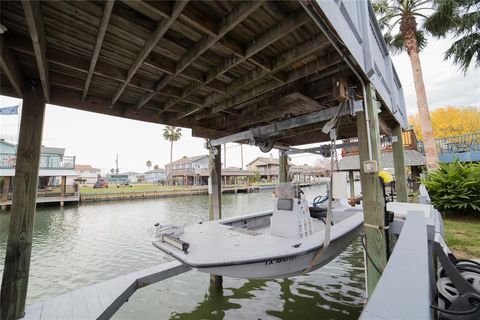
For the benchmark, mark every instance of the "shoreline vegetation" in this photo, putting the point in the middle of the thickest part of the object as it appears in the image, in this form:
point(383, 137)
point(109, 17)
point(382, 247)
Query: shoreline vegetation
point(149, 191)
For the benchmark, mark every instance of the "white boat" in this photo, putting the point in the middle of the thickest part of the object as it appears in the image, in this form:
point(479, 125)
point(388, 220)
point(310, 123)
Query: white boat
point(266, 245)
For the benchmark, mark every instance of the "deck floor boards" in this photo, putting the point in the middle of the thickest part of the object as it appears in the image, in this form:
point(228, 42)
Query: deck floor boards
point(101, 300)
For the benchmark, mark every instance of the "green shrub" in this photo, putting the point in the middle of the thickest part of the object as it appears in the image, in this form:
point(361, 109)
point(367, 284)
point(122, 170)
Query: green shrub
point(455, 187)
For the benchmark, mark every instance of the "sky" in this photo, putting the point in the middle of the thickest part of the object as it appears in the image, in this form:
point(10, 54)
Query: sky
point(96, 139)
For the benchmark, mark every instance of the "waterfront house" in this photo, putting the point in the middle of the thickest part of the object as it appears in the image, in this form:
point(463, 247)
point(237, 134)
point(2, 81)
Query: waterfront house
point(54, 170)
point(186, 171)
point(87, 173)
point(267, 167)
point(154, 176)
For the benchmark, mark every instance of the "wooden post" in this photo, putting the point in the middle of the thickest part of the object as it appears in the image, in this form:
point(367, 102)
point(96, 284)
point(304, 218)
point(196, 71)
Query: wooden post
point(282, 166)
point(373, 201)
point(399, 165)
point(215, 196)
point(63, 186)
point(19, 244)
point(6, 187)
point(352, 187)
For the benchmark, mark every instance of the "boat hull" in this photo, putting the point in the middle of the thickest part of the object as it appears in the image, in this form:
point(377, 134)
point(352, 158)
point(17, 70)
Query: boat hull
point(286, 266)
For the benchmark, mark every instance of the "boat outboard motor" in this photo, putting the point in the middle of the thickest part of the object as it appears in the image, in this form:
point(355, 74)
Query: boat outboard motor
point(291, 216)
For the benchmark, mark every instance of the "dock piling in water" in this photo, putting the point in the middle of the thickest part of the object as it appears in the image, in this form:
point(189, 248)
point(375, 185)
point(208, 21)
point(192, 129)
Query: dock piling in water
point(19, 244)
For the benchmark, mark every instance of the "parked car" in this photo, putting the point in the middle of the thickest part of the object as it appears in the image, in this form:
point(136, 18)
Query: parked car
point(100, 184)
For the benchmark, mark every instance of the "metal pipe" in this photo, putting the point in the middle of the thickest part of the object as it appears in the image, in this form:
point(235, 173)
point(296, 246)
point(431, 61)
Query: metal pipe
point(315, 18)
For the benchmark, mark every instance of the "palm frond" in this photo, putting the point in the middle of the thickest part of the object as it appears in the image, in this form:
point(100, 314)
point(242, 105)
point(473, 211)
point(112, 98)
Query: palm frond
point(464, 50)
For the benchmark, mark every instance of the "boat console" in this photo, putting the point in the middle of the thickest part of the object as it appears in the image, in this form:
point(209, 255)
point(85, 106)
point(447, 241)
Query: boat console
point(291, 214)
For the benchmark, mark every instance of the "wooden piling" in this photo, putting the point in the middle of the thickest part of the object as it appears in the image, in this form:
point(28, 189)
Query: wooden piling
point(373, 201)
point(399, 165)
point(352, 187)
point(214, 196)
point(6, 187)
point(19, 244)
point(282, 166)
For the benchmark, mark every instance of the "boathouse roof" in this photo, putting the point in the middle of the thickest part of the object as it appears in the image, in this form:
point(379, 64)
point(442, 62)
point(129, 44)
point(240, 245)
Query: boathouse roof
point(217, 67)
point(413, 158)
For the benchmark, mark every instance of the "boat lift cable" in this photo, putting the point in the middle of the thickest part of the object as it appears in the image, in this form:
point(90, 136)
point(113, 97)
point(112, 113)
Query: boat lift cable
point(362, 241)
point(332, 128)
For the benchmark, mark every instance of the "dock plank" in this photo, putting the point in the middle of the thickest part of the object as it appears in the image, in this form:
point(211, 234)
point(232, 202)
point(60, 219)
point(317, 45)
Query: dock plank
point(102, 300)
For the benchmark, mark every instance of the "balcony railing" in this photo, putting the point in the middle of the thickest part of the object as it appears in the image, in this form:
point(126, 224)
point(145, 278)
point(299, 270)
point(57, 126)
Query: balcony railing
point(458, 144)
point(47, 161)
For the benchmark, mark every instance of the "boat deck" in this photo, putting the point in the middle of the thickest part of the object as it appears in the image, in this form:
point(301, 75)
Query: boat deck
point(213, 243)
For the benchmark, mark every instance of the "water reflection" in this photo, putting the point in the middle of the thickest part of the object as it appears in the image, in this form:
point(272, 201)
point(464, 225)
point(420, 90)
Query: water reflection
point(79, 246)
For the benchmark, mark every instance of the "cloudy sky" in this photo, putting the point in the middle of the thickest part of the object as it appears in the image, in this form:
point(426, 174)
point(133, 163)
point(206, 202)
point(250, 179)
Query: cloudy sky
point(96, 139)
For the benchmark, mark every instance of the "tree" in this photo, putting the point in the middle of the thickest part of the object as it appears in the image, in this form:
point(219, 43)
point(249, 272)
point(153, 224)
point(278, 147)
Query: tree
point(148, 164)
point(404, 13)
point(172, 134)
point(460, 19)
point(450, 121)
point(156, 167)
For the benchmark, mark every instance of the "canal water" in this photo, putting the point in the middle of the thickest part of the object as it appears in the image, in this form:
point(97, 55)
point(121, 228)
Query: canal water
point(78, 246)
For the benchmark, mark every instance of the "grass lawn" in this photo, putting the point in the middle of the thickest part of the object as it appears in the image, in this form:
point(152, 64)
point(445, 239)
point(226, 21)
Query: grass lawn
point(133, 188)
point(463, 236)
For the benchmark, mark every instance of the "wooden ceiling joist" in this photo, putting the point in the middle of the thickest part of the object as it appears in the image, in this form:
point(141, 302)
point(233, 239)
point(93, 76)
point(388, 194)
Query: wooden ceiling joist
point(151, 42)
point(296, 20)
point(227, 24)
point(107, 11)
point(311, 67)
point(34, 18)
point(10, 67)
point(284, 60)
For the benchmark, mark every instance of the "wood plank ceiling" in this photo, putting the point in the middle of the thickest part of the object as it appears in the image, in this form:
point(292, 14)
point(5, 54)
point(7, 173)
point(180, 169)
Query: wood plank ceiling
point(218, 67)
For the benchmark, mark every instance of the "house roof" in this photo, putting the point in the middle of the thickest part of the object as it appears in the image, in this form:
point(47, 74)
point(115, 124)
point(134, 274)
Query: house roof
point(412, 158)
point(187, 160)
point(267, 160)
point(52, 150)
point(85, 167)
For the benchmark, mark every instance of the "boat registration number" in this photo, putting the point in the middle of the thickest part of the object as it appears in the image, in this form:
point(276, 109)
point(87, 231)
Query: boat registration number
point(275, 261)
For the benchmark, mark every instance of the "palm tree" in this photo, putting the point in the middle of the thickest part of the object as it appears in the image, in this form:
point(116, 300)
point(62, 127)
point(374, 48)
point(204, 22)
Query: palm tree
point(148, 164)
point(461, 19)
point(404, 13)
point(172, 134)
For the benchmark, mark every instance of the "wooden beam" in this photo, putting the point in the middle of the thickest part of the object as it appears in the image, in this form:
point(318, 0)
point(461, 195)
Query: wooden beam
point(102, 69)
point(239, 13)
point(373, 200)
point(215, 196)
point(107, 10)
point(73, 100)
point(22, 214)
point(312, 67)
point(282, 166)
point(399, 165)
point(286, 59)
point(10, 67)
point(34, 17)
point(151, 42)
point(296, 20)
point(154, 10)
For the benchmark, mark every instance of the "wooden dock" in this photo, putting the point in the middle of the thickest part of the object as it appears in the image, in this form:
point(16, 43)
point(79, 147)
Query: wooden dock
point(75, 198)
point(102, 300)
